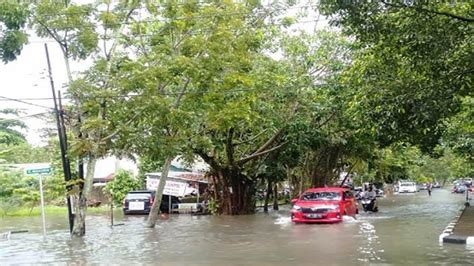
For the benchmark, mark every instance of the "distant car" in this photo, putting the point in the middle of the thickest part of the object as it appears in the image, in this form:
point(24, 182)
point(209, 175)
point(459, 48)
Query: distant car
point(140, 202)
point(422, 186)
point(436, 185)
point(459, 189)
point(468, 181)
point(379, 192)
point(407, 187)
point(323, 205)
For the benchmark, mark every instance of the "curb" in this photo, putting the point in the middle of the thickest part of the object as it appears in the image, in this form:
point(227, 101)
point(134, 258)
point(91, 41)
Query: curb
point(447, 235)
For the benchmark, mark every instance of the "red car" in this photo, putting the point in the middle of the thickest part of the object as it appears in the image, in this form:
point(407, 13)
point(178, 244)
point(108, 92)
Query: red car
point(323, 205)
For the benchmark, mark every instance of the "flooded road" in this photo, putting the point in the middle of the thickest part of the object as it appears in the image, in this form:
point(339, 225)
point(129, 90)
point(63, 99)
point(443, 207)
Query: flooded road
point(405, 231)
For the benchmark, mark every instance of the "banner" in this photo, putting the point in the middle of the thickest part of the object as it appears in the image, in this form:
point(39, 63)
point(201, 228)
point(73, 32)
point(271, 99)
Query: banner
point(173, 188)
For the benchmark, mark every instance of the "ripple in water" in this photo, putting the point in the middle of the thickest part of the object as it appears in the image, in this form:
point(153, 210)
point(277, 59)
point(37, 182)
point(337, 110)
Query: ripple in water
point(282, 220)
point(349, 219)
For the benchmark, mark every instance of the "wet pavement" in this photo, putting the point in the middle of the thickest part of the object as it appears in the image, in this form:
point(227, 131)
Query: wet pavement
point(405, 231)
point(465, 225)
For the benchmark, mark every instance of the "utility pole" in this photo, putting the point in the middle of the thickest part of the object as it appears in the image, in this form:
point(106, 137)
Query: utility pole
point(62, 142)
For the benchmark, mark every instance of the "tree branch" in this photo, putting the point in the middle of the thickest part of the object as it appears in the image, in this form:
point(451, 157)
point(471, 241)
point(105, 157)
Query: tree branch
point(181, 93)
point(277, 134)
point(256, 155)
point(229, 147)
point(327, 119)
point(113, 134)
point(51, 33)
point(208, 159)
point(418, 8)
point(249, 140)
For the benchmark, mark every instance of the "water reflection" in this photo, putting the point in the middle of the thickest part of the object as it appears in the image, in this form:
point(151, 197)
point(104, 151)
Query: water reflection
point(404, 231)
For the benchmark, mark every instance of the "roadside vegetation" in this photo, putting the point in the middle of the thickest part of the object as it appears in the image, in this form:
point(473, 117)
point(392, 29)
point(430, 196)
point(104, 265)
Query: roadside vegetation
point(262, 101)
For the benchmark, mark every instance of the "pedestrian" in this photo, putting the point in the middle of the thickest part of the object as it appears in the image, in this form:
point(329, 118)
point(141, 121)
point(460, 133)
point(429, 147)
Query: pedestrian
point(430, 186)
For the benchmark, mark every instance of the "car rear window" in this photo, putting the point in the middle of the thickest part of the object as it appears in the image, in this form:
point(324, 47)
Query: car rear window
point(138, 196)
point(319, 196)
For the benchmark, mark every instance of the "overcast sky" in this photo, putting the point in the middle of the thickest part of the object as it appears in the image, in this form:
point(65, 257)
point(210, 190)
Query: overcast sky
point(27, 77)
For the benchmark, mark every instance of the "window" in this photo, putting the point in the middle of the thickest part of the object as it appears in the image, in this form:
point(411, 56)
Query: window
point(321, 196)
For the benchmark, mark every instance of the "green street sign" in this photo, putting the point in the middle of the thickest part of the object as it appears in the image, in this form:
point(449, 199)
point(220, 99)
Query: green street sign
point(38, 171)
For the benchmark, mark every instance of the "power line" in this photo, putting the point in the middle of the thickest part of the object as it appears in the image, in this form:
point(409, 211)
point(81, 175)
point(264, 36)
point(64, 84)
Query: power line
point(23, 117)
point(24, 102)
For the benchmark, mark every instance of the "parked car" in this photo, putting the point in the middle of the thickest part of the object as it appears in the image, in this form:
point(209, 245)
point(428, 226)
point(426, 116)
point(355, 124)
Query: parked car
point(407, 187)
point(436, 185)
point(140, 202)
point(323, 205)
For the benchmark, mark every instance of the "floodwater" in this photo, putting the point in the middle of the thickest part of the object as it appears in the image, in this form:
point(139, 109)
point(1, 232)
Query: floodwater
point(405, 231)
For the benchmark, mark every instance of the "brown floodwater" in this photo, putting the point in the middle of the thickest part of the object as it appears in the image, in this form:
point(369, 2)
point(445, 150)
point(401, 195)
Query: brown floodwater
point(405, 231)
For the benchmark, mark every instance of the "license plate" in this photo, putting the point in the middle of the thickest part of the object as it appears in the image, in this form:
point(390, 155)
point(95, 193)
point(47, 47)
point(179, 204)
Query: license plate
point(136, 205)
point(314, 215)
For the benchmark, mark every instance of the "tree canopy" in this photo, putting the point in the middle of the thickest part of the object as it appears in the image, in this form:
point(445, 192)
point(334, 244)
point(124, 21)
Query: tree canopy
point(413, 66)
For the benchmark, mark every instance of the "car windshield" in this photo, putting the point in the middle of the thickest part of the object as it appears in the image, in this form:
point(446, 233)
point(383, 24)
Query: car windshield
point(138, 196)
point(316, 196)
point(406, 184)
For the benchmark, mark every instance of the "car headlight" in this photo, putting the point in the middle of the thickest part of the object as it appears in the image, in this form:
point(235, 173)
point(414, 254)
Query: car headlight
point(296, 208)
point(334, 208)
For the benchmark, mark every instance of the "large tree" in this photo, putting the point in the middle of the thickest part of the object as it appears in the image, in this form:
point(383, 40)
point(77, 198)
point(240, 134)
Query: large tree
point(83, 31)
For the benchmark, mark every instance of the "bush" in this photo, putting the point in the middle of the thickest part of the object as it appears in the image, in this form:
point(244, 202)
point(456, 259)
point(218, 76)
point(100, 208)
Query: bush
point(123, 183)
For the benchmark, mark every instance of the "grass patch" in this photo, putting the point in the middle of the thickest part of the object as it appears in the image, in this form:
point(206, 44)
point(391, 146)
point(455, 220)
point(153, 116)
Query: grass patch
point(49, 210)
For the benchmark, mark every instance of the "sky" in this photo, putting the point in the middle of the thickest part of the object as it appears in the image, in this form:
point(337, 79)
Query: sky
point(27, 78)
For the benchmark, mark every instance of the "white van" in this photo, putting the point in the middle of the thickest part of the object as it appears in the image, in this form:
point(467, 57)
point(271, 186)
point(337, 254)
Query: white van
point(407, 187)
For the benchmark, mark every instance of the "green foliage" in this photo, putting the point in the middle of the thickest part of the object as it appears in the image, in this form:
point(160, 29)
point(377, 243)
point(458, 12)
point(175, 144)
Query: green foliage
point(13, 17)
point(414, 62)
point(447, 167)
point(213, 206)
point(18, 189)
point(24, 153)
point(69, 24)
point(123, 183)
point(460, 130)
point(9, 129)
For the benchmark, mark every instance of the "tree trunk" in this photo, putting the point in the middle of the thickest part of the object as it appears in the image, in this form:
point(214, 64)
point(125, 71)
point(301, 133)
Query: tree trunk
point(275, 196)
point(267, 196)
point(323, 165)
point(80, 205)
point(155, 208)
point(239, 194)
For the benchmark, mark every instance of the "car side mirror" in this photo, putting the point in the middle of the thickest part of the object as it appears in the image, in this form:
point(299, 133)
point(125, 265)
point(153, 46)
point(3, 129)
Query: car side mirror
point(293, 201)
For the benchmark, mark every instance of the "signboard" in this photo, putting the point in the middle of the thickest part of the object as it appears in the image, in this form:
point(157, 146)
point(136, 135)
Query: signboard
point(173, 188)
point(38, 171)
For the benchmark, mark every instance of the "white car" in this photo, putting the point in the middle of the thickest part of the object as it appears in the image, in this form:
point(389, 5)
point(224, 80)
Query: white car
point(407, 187)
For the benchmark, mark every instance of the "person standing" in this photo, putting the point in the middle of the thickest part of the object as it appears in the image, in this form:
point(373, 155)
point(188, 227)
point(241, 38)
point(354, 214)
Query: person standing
point(430, 186)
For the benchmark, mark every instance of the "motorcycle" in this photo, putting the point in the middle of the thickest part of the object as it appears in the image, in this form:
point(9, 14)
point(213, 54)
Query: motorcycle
point(369, 204)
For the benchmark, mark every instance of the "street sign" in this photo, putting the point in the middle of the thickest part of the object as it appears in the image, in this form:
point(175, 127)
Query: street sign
point(38, 171)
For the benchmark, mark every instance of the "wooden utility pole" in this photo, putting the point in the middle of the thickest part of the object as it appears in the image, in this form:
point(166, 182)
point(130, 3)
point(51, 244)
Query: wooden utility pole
point(62, 142)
